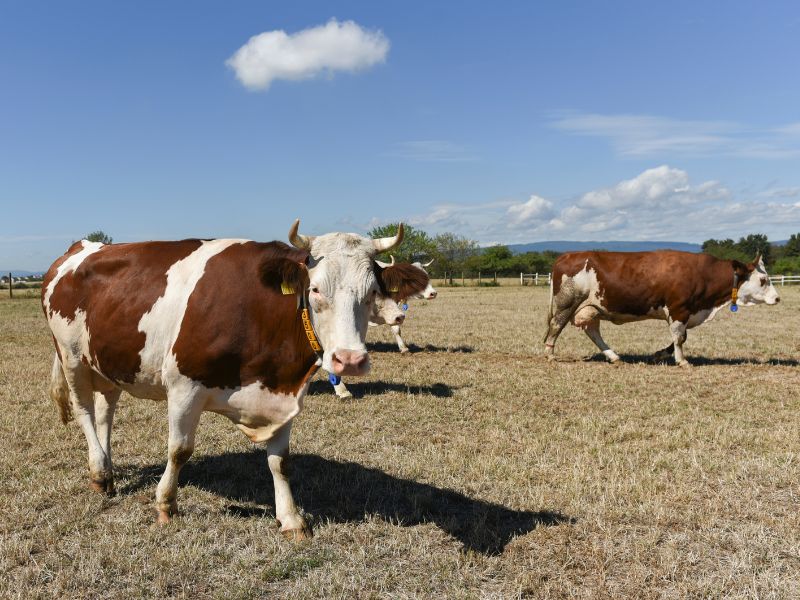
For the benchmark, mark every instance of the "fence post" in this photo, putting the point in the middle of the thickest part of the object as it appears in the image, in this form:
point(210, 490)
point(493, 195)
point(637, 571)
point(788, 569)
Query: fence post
point(495, 277)
point(462, 278)
point(479, 278)
point(783, 280)
point(10, 287)
point(520, 278)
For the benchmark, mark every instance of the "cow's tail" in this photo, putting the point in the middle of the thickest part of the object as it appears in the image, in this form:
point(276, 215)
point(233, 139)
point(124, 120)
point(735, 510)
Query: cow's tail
point(59, 390)
point(549, 310)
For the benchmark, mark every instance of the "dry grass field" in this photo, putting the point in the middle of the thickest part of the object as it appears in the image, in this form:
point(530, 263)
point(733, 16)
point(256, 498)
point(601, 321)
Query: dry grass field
point(470, 469)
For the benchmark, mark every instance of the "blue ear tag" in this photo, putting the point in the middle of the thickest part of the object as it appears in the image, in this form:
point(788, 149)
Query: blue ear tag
point(334, 379)
point(734, 307)
point(404, 306)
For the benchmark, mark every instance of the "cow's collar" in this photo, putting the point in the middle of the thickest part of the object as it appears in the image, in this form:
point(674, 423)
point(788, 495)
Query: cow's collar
point(308, 327)
point(735, 292)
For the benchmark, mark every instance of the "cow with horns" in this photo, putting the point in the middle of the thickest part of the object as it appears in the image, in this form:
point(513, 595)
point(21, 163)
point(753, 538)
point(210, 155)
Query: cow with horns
point(682, 288)
point(230, 326)
point(411, 280)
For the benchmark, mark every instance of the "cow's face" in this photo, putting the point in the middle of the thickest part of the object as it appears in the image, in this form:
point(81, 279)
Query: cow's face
point(757, 288)
point(385, 311)
point(429, 293)
point(342, 292)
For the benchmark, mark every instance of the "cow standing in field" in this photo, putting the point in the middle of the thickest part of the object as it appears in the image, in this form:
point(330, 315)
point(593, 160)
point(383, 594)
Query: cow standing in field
point(406, 280)
point(681, 288)
point(209, 325)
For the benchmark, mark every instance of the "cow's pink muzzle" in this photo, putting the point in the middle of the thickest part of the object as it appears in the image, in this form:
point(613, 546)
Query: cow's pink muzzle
point(350, 362)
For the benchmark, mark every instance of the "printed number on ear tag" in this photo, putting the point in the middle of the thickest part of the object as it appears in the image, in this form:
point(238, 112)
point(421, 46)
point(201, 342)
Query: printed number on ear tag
point(286, 289)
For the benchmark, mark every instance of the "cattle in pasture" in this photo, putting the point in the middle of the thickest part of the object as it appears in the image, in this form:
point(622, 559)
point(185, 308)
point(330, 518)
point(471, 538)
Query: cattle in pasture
point(412, 281)
point(230, 326)
point(682, 288)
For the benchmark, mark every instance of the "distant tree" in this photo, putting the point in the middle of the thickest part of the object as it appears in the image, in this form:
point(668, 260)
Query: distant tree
point(99, 236)
point(756, 243)
point(792, 247)
point(416, 245)
point(453, 250)
point(726, 249)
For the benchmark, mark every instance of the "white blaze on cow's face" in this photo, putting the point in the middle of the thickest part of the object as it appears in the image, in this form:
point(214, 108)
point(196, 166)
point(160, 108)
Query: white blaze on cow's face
point(342, 292)
point(429, 293)
point(758, 289)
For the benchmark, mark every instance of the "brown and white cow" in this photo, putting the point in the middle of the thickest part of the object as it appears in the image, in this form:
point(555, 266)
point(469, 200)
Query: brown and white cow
point(208, 325)
point(403, 281)
point(682, 288)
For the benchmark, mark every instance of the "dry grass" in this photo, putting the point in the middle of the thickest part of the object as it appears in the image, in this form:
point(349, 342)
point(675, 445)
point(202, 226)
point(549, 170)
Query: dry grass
point(470, 469)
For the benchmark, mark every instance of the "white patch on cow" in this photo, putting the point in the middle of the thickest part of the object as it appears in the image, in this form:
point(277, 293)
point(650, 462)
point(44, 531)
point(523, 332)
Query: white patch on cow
point(586, 284)
point(257, 411)
point(429, 292)
point(162, 323)
point(69, 266)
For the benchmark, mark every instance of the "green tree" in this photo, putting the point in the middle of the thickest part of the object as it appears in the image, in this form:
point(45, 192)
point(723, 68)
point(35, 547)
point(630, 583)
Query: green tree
point(756, 243)
point(99, 236)
point(416, 245)
point(792, 247)
point(725, 249)
point(452, 251)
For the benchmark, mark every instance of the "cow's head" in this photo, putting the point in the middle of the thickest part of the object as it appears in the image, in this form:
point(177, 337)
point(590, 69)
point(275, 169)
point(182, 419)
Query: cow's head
point(757, 288)
point(343, 287)
point(385, 311)
point(406, 280)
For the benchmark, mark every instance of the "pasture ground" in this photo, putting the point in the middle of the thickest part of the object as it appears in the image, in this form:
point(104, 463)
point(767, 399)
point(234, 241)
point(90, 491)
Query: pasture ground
point(469, 469)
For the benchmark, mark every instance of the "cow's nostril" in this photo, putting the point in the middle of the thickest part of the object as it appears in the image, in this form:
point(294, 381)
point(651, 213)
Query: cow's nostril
point(778, 299)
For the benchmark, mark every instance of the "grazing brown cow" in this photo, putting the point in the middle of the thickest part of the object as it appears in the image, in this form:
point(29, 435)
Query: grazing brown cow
point(682, 288)
point(209, 325)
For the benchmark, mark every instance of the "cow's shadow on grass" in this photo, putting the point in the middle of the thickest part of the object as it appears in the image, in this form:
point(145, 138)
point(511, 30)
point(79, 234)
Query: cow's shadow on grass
point(697, 361)
point(346, 492)
point(360, 389)
point(413, 348)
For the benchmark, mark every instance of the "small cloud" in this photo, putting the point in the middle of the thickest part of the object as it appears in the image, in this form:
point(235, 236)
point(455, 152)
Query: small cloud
point(639, 136)
point(535, 209)
point(306, 54)
point(433, 151)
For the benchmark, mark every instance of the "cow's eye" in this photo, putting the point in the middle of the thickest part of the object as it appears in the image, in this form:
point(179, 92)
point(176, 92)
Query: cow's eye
point(764, 281)
point(315, 290)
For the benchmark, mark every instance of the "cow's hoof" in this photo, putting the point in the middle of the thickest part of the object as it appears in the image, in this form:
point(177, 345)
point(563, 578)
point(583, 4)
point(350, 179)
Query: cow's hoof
point(685, 364)
point(404, 351)
point(297, 535)
point(551, 357)
point(102, 486)
point(163, 517)
point(346, 395)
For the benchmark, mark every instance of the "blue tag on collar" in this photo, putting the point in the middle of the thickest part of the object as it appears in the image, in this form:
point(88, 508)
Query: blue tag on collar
point(404, 306)
point(734, 307)
point(334, 379)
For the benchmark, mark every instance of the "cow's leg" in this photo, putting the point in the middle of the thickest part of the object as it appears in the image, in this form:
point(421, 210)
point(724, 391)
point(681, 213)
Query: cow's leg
point(184, 415)
point(341, 390)
point(292, 525)
point(592, 329)
point(400, 343)
point(678, 331)
point(105, 403)
point(554, 328)
point(562, 306)
point(83, 408)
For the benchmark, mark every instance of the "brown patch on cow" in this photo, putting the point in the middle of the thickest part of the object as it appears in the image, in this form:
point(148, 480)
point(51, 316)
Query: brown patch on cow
point(401, 280)
point(115, 287)
point(634, 283)
point(239, 328)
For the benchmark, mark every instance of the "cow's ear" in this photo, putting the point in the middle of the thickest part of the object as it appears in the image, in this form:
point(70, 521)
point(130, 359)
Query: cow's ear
point(284, 275)
point(742, 270)
point(403, 280)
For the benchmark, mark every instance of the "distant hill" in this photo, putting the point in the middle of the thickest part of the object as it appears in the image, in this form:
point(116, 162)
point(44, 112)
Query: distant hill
point(566, 246)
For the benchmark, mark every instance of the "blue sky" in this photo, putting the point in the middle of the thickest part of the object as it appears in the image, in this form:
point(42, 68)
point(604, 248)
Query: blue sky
point(506, 122)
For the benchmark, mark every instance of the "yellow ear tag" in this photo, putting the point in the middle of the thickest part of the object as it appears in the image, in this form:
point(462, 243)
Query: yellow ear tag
point(286, 289)
point(394, 289)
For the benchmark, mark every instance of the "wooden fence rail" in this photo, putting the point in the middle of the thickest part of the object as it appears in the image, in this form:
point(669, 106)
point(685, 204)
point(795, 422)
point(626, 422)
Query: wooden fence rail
point(535, 278)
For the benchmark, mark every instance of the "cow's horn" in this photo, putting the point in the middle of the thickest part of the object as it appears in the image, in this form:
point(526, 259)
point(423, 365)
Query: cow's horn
point(429, 263)
point(757, 259)
point(299, 241)
point(384, 265)
point(387, 243)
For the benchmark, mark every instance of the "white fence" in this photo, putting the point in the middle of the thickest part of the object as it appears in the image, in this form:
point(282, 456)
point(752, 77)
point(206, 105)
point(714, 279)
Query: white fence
point(535, 278)
point(784, 279)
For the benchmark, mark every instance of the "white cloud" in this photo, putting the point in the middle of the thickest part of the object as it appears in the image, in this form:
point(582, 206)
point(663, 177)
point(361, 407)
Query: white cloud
point(335, 46)
point(661, 203)
point(646, 135)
